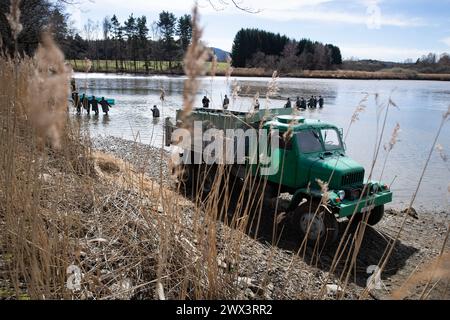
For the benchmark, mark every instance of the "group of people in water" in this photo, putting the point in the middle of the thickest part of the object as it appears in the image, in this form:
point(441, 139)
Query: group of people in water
point(300, 103)
point(89, 104)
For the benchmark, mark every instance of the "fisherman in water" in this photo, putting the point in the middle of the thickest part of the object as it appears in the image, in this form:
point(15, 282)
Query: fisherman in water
point(205, 102)
point(83, 103)
point(155, 112)
point(105, 106)
point(288, 104)
point(256, 107)
point(303, 105)
point(226, 102)
point(321, 102)
point(298, 103)
point(94, 105)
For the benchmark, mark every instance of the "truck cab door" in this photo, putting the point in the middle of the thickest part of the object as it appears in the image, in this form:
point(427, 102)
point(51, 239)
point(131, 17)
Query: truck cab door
point(285, 159)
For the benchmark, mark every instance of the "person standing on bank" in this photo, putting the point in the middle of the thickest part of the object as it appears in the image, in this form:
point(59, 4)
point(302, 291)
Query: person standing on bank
point(226, 103)
point(315, 102)
point(155, 112)
point(105, 106)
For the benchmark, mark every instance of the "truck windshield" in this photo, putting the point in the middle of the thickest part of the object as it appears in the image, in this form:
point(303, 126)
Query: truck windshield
point(311, 140)
point(331, 139)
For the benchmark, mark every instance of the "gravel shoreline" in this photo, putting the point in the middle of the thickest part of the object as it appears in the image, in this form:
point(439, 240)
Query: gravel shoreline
point(151, 160)
point(419, 243)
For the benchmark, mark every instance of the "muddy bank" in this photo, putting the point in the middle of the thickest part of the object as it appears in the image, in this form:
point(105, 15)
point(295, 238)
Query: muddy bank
point(419, 244)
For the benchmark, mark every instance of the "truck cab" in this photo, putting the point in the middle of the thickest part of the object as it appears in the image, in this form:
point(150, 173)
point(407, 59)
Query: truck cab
point(312, 151)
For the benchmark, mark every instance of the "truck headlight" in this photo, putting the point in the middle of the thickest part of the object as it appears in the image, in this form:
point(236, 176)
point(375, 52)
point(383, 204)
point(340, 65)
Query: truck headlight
point(341, 195)
point(375, 188)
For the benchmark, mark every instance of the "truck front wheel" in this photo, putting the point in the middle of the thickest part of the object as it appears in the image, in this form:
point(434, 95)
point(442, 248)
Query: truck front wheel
point(317, 226)
point(375, 216)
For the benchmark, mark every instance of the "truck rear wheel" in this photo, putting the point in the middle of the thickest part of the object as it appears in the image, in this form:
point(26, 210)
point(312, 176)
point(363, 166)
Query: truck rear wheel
point(317, 226)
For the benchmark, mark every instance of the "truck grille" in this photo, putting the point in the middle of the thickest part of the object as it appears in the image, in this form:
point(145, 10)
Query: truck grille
point(353, 178)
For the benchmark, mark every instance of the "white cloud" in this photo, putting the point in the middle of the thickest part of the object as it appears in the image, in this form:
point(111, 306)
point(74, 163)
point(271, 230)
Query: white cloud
point(315, 10)
point(339, 17)
point(281, 10)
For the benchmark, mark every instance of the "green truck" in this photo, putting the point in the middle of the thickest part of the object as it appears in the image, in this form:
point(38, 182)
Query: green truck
point(309, 153)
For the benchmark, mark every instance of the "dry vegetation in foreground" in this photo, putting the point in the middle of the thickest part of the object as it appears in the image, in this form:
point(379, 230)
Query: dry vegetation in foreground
point(62, 205)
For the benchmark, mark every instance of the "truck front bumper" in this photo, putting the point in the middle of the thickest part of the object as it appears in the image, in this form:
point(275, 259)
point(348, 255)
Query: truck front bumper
point(348, 208)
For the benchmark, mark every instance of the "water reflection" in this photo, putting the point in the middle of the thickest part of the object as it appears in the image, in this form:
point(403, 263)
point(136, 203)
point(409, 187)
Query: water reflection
point(105, 120)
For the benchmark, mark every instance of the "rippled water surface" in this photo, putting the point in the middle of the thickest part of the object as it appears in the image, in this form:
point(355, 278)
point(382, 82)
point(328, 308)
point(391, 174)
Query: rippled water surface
point(420, 105)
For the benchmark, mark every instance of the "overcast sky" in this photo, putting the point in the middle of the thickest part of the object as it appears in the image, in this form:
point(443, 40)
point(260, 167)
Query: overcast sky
point(378, 29)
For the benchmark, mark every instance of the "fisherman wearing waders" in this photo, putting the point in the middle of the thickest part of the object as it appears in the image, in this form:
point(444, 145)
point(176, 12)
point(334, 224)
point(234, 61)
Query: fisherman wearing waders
point(73, 87)
point(76, 101)
point(256, 104)
point(321, 102)
point(85, 103)
point(303, 104)
point(155, 112)
point(205, 102)
point(105, 106)
point(298, 103)
point(311, 102)
point(226, 102)
point(94, 104)
point(288, 104)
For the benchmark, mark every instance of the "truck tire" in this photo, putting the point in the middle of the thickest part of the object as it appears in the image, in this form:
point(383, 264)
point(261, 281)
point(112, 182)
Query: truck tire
point(317, 226)
point(375, 216)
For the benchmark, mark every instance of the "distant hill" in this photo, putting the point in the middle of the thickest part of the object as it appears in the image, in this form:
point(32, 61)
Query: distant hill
point(221, 54)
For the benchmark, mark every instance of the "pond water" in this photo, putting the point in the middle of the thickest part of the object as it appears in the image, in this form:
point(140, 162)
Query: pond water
point(419, 109)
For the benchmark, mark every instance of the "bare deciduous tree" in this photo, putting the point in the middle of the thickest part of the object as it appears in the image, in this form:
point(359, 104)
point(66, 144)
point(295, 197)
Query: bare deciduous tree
point(221, 4)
